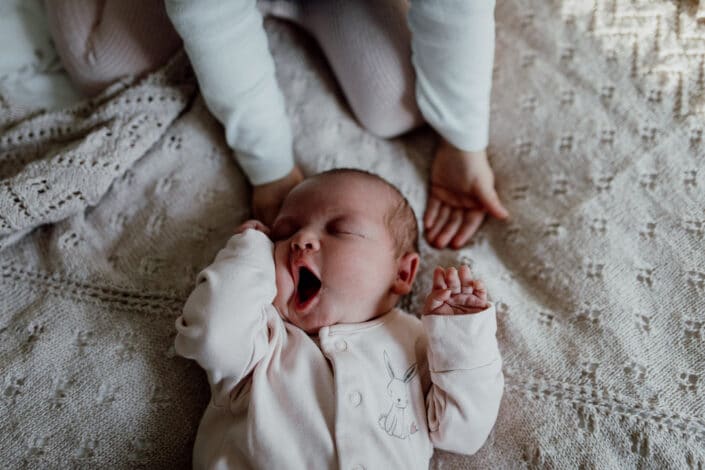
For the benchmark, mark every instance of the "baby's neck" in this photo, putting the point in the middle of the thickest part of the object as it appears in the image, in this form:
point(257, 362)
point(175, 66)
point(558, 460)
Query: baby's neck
point(315, 334)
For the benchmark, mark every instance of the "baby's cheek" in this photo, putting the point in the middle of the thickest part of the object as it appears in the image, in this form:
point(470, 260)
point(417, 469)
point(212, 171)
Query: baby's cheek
point(284, 284)
point(283, 281)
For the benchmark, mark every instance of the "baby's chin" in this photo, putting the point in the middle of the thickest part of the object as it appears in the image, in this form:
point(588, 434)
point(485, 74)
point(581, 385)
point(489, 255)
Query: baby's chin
point(311, 322)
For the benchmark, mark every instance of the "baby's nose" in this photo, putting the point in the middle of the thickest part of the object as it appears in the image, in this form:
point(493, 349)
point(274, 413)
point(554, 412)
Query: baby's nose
point(305, 242)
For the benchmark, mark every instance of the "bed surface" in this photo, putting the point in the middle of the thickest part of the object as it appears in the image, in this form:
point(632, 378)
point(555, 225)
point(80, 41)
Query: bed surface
point(109, 208)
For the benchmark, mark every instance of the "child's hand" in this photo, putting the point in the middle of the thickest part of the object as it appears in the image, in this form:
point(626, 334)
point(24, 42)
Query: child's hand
point(267, 198)
point(253, 224)
point(462, 192)
point(455, 292)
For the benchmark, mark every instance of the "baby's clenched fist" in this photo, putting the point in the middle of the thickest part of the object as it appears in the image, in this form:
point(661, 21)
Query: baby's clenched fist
point(455, 292)
point(254, 225)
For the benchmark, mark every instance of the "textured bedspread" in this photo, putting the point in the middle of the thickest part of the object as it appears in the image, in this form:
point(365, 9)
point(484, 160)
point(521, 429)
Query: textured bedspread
point(109, 209)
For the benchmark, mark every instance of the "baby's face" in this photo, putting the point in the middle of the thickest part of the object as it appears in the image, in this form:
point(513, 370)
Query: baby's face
point(334, 256)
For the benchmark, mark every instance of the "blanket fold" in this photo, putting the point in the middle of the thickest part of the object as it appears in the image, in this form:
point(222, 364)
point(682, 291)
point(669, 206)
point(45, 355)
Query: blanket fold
point(56, 164)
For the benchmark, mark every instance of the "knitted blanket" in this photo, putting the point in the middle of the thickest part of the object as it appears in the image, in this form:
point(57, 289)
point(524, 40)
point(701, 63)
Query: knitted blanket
point(108, 209)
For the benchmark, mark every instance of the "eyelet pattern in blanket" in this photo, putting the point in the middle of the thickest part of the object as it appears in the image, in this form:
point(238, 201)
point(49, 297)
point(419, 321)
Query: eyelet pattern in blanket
point(109, 209)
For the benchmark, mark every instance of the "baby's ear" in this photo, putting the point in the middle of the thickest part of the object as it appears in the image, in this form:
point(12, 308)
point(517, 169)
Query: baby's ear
point(407, 266)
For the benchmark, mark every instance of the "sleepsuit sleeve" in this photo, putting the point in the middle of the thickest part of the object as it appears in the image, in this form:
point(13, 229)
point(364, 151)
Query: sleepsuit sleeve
point(223, 326)
point(466, 379)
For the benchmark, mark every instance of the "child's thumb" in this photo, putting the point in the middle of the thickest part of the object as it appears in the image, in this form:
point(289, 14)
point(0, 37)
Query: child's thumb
point(488, 197)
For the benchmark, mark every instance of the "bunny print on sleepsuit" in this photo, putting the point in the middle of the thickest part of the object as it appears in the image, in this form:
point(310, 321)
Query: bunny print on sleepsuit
point(394, 422)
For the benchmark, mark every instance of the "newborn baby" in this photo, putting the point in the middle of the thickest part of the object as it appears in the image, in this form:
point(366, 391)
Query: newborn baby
point(311, 365)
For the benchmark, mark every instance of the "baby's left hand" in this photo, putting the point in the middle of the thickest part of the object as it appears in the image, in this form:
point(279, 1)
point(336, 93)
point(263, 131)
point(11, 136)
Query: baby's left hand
point(455, 292)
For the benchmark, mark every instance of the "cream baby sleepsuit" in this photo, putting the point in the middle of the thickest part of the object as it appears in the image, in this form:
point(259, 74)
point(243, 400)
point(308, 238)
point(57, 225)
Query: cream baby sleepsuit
point(378, 394)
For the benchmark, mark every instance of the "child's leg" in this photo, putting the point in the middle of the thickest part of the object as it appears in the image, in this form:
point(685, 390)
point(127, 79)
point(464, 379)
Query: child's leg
point(368, 44)
point(101, 41)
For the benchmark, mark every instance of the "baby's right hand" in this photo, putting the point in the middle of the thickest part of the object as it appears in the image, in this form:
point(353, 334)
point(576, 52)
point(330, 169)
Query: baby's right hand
point(253, 224)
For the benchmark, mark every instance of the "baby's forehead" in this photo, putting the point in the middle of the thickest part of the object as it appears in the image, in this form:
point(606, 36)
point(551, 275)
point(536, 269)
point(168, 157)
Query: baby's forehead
point(351, 183)
point(354, 192)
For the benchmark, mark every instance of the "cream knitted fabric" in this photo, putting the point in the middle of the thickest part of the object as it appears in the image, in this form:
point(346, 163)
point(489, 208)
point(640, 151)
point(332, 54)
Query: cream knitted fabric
point(599, 277)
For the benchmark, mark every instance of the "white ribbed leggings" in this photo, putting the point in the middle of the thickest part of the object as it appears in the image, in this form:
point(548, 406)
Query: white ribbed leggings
point(366, 42)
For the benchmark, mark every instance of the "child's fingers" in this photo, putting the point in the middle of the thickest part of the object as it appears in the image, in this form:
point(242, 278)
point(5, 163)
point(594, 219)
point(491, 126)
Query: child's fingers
point(488, 196)
point(450, 228)
point(439, 223)
point(472, 219)
point(453, 280)
point(432, 209)
point(439, 281)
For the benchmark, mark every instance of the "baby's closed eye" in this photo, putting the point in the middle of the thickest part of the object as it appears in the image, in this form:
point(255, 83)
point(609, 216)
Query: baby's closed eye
point(345, 227)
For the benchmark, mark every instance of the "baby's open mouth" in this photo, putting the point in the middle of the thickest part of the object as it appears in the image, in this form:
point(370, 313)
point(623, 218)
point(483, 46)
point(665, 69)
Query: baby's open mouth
point(307, 288)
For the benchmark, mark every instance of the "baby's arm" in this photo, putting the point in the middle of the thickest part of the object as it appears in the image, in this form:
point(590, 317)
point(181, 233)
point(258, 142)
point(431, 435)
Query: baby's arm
point(464, 362)
point(223, 325)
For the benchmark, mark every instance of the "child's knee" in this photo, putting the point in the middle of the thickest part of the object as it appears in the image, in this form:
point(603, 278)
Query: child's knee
point(389, 120)
point(100, 44)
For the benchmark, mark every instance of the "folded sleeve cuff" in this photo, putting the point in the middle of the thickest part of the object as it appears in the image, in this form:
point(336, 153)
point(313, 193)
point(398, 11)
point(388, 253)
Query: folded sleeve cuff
point(263, 169)
point(461, 342)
